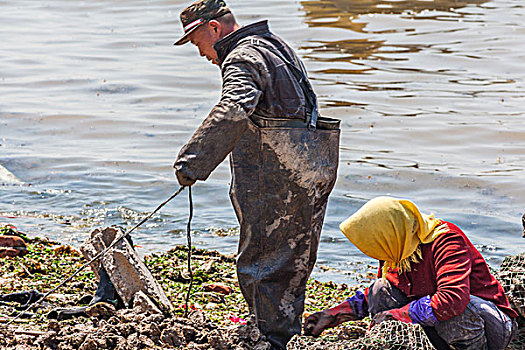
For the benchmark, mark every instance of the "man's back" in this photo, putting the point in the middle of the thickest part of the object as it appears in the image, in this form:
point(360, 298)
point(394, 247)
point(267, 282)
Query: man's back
point(254, 53)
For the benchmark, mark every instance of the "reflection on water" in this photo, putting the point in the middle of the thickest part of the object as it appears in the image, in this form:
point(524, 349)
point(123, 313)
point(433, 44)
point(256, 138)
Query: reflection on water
point(350, 15)
point(417, 84)
point(345, 13)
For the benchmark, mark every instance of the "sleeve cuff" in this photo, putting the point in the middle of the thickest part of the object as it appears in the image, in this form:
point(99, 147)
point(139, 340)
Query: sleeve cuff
point(421, 312)
point(359, 304)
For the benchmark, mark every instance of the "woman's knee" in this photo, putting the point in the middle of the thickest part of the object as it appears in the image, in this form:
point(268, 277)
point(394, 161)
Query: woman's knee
point(382, 296)
point(481, 326)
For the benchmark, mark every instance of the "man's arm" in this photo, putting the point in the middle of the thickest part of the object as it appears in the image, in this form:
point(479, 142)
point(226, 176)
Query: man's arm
point(221, 130)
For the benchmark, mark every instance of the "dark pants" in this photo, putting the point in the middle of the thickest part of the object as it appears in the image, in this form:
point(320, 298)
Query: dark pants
point(482, 326)
point(281, 182)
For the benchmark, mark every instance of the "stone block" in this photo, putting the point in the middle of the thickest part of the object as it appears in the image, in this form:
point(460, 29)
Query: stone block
point(126, 270)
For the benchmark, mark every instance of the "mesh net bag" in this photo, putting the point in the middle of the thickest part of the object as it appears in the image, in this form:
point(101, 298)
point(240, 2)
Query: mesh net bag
point(511, 276)
point(394, 335)
point(388, 335)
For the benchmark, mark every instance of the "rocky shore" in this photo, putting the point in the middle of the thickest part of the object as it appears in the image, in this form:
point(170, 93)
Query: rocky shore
point(218, 317)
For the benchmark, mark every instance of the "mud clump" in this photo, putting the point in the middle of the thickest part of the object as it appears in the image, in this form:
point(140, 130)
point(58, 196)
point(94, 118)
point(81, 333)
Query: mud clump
point(129, 330)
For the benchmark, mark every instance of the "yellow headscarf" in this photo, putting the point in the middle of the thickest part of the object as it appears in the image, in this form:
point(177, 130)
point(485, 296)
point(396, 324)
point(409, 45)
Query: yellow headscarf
point(391, 230)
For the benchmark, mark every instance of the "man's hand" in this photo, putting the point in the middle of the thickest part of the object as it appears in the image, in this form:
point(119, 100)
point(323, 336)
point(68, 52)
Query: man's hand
point(400, 314)
point(315, 324)
point(183, 179)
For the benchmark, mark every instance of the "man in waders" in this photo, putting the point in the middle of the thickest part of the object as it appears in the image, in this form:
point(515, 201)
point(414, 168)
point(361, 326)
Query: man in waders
point(284, 160)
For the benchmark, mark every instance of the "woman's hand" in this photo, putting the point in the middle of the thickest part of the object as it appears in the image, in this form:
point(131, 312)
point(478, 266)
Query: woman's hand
point(315, 324)
point(400, 314)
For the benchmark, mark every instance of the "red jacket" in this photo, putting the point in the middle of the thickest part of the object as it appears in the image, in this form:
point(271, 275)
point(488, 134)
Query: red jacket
point(450, 271)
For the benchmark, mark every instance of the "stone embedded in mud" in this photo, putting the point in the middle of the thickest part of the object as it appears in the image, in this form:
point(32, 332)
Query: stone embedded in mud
point(170, 337)
point(12, 242)
point(66, 250)
point(218, 288)
point(126, 270)
point(89, 344)
point(143, 304)
point(11, 252)
point(101, 310)
point(12, 246)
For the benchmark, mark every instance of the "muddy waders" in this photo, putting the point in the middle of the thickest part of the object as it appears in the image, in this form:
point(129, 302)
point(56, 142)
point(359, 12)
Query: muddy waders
point(283, 172)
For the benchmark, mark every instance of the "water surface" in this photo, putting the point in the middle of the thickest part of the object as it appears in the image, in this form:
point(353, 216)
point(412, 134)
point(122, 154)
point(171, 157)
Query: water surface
point(95, 103)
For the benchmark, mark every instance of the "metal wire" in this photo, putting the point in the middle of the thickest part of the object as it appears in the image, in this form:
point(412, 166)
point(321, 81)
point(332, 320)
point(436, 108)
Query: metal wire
point(99, 255)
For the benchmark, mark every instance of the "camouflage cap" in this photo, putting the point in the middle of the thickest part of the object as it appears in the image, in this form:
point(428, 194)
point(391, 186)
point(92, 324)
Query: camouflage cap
point(199, 13)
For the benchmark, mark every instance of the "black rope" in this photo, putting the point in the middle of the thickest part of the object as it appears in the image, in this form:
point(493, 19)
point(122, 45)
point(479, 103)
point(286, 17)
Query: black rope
point(115, 241)
point(190, 271)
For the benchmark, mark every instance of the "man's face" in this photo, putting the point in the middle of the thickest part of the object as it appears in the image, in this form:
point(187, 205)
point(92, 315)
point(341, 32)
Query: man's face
point(204, 38)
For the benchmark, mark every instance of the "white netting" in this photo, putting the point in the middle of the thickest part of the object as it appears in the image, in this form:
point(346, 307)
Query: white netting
point(388, 335)
point(394, 335)
point(511, 275)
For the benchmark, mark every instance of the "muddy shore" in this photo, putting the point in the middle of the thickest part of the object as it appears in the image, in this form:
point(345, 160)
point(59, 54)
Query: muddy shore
point(218, 318)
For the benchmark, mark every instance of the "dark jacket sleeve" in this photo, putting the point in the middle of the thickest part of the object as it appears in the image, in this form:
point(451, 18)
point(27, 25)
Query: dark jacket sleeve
point(453, 268)
point(221, 130)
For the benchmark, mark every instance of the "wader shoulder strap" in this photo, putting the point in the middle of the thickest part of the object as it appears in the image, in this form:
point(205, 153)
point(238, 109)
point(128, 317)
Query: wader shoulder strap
point(300, 76)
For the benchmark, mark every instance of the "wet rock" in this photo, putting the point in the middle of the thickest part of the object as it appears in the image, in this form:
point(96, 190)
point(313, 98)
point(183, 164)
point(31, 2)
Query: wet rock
point(48, 340)
point(218, 288)
point(145, 341)
point(12, 246)
point(126, 270)
point(53, 326)
point(74, 340)
point(126, 329)
point(250, 333)
point(150, 329)
point(217, 341)
point(262, 345)
point(12, 242)
point(122, 344)
point(89, 344)
point(143, 304)
point(171, 337)
point(156, 318)
point(511, 276)
point(66, 250)
point(101, 310)
point(189, 333)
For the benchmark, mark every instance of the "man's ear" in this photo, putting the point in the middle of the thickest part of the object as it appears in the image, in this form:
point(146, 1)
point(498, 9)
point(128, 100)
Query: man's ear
point(215, 26)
